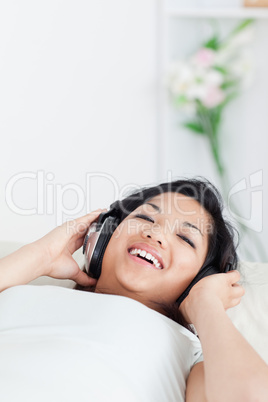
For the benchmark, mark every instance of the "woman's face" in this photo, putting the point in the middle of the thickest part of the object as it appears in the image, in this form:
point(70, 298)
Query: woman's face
point(156, 251)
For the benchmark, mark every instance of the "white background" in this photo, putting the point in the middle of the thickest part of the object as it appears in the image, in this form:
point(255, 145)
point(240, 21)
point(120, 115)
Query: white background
point(79, 95)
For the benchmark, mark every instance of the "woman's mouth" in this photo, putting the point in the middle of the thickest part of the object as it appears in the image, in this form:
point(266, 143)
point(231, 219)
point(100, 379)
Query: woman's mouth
point(146, 256)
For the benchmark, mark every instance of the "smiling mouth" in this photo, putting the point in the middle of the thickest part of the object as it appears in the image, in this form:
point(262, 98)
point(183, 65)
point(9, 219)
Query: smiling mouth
point(144, 255)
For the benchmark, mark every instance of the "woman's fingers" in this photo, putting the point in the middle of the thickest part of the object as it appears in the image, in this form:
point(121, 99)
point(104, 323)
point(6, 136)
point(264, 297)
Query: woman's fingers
point(86, 220)
point(237, 291)
point(233, 276)
point(79, 226)
point(75, 244)
point(83, 279)
point(223, 287)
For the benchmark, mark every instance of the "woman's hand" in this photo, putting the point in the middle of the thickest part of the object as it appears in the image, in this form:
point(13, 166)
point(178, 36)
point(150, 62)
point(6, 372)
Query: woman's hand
point(221, 289)
point(233, 371)
point(58, 246)
point(51, 255)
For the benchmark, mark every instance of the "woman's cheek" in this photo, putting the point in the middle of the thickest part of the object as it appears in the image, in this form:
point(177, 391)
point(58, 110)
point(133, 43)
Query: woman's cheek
point(187, 264)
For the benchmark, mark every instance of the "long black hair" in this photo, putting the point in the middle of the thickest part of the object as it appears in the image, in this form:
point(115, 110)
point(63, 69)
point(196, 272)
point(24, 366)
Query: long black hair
point(222, 244)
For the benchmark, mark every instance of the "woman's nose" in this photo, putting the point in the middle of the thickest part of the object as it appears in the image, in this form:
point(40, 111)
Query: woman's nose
point(155, 235)
point(158, 241)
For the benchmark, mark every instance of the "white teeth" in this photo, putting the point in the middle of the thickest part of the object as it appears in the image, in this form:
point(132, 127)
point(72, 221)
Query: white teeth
point(146, 255)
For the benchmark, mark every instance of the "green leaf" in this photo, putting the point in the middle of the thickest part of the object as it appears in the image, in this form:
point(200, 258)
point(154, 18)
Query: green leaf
point(180, 100)
point(228, 99)
point(195, 127)
point(242, 25)
point(200, 107)
point(229, 84)
point(222, 70)
point(212, 43)
point(215, 118)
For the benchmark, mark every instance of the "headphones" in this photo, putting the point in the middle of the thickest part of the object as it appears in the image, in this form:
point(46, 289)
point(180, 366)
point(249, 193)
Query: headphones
point(205, 271)
point(99, 235)
point(97, 239)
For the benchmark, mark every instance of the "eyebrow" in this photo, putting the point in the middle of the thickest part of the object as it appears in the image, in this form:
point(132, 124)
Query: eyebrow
point(187, 224)
point(154, 206)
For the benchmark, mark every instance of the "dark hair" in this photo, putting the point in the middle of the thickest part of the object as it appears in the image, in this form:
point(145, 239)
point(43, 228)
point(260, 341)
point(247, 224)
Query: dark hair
point(222, 247)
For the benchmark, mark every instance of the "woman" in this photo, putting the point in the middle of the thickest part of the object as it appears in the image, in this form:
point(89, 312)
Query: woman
point(180, 225)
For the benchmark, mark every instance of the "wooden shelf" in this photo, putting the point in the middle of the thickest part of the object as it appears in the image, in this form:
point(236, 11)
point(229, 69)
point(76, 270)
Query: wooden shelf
point(251, 12)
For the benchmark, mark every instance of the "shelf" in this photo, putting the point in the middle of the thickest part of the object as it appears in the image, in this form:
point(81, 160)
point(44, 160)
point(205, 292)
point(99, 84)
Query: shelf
point(251, 12)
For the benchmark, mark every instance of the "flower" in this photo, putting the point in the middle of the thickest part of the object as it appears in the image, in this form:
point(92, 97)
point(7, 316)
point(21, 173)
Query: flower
point(190, 82)
point(209, 79)
point(181, 78)
point(204, 57)
point(206, 82)
point(214, 96)
point(214, 73)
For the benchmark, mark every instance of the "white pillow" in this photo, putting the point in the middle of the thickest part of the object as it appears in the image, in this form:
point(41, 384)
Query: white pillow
point(60, 344)
point(250, 316)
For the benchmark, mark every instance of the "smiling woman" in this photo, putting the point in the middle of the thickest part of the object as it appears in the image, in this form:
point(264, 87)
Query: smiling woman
point(157, 230)
point(167, 254)
point(167, 238)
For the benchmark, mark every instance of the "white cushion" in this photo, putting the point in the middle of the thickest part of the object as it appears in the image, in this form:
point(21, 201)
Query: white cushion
point(59, 344)
point(250, 316)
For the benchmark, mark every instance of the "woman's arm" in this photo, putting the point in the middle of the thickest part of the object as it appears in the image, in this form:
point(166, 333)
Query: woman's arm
point(233, 371)
point(195, 386)
point(51, 256)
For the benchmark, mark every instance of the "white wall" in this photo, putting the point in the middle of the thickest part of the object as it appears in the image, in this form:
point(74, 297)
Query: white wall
point(77, 96)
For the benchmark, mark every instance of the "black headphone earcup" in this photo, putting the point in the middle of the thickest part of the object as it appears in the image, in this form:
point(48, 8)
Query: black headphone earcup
point(209, 270)
point(107, 230)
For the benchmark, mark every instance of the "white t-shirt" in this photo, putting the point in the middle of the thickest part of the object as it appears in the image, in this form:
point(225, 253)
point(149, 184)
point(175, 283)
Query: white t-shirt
point(61, 344)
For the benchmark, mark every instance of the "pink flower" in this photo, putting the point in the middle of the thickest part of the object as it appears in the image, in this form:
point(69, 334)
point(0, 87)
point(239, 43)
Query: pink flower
point(214, 96)
point(204, 57)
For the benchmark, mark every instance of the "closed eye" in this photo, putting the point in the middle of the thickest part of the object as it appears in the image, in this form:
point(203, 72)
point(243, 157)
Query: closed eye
point(184, 238)
point(145, 217)
point(149, 219)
